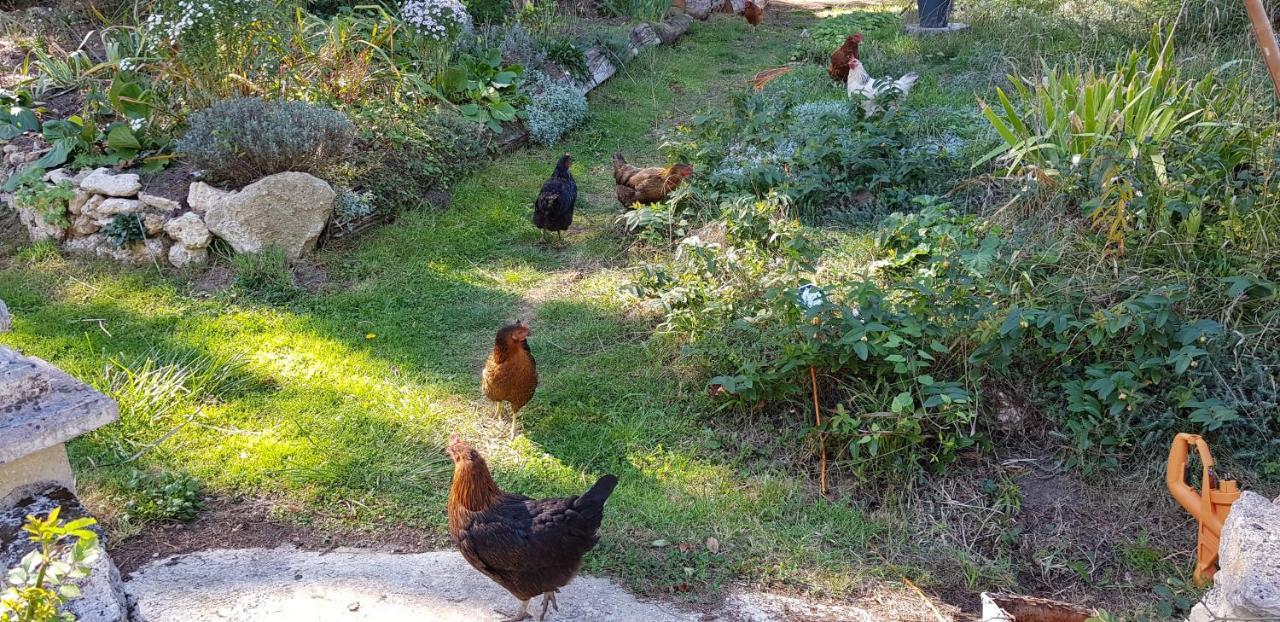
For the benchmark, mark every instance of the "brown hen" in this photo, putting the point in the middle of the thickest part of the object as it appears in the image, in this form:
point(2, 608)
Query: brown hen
point(646, 185)
point(510, 374)
point(753, 13)
point(528, 546)
point(848, 51)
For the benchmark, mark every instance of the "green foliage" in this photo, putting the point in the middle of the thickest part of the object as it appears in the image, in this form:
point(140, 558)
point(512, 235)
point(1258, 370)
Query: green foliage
point(240, 140)
point(45, 580)
point(563, 52)
point(488, 11)
point(640, 10)
point(828, 34)
point(50, 202)
point(264, 276)
point(556, 109)
point(1141, 147)
point(801, 137)
point(124, 230)
point(616, 43)
point(485, 88)
point(403, 151)
point(151, 497)
point(16, 115)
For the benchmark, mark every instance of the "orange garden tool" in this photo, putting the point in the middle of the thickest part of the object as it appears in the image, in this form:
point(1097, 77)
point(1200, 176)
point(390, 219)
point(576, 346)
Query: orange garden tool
point(1209, 505)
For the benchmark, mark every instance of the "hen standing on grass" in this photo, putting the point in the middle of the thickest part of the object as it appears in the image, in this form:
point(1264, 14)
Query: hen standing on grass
point(527, 546)
point(553, 210)
point(645, 185)
point(753, 13)
point(510, 374)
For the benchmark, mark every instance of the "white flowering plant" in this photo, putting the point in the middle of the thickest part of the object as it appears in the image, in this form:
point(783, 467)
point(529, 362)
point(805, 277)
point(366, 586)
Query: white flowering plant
point(437, 20)
point(186, 21)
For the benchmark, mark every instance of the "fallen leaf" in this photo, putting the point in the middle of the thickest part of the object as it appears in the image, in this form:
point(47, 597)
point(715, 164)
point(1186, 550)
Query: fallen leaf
point(713, 545)
point(657, 544)
point(684, 547)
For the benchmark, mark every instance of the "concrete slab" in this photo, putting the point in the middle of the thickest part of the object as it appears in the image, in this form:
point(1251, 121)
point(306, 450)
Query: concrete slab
point(41, 406)
point(351, 585)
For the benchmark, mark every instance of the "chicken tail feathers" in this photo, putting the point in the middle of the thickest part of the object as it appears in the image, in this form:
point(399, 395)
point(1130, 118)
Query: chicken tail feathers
point(599, 493)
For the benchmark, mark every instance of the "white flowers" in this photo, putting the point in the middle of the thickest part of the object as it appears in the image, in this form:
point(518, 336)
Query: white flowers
point(186, 14)
point(436, 19)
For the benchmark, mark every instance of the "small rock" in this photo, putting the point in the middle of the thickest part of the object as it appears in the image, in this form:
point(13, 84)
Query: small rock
point(354, 606)
point(202, 196)
point(101, 181)
point(182, 257)
point(153, 223)
point(91, 205)
point(87, 246)
point(59, 175)
point(76, 205)
point(111, 207)
point(159, 202)
point(6, 324)
point(84, 226)
point(188, 230)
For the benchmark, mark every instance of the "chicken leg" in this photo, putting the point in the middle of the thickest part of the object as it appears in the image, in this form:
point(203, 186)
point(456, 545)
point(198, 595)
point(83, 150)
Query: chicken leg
point(548, 598)
point(513, 424)
point(520, 615)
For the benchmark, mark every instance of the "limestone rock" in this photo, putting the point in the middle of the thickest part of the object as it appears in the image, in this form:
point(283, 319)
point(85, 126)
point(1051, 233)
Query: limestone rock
point(109, 208)
point(285, 210)
point(6, 324)
point(159, 202)
point(153, 222)
point(59, 175)
point(77, 203)
point(40, 229)
point(101, 181)
point(189, 231)
point(202, 196)
point(87, 246)
point(182, 257)
point(1247, 584)
point(82, 226)
point(44, 406)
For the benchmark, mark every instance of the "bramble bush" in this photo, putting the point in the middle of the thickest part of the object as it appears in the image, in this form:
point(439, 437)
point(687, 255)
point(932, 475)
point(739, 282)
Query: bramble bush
point(240, 140)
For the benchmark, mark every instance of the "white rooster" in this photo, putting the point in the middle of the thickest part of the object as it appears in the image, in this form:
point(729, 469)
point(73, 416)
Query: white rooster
point(871, 89)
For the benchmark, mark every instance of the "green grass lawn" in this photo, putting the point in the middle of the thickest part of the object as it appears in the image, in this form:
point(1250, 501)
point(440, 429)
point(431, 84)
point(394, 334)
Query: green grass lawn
point(346, 396)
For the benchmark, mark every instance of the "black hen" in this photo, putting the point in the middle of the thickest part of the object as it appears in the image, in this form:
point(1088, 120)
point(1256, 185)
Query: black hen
point(553, 211)
point(528, 546)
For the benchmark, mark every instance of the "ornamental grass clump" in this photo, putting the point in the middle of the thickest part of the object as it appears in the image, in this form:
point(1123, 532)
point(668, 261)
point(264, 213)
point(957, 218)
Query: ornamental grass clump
point(240, 140)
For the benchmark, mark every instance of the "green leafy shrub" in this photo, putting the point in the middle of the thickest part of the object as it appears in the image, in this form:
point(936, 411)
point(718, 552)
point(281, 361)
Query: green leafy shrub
point(124, 230)
point(488, 11)
point(801, 137)
point(1140, 147)
point(556, 109)
point(486, 88)
point(563, 52)
point(240, 140)
point(828, 34)
point(50, 202)
point(149, 497)
point(405, 151)
point(45, 580)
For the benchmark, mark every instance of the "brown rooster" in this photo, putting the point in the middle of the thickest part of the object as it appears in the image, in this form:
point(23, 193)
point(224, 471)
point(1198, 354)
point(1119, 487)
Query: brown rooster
point(528, 546)
point(839, 69)
point(646, 185)
point(510, 374)
point(753, 13)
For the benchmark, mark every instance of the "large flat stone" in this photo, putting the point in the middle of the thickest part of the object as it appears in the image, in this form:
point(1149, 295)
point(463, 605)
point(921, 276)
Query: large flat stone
point(1247, 584)
point(41, 406)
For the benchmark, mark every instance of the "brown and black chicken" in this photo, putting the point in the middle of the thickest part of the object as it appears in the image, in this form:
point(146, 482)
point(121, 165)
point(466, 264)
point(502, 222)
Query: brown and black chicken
point(528, 546)
point(840, 59)
point(646, 185)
